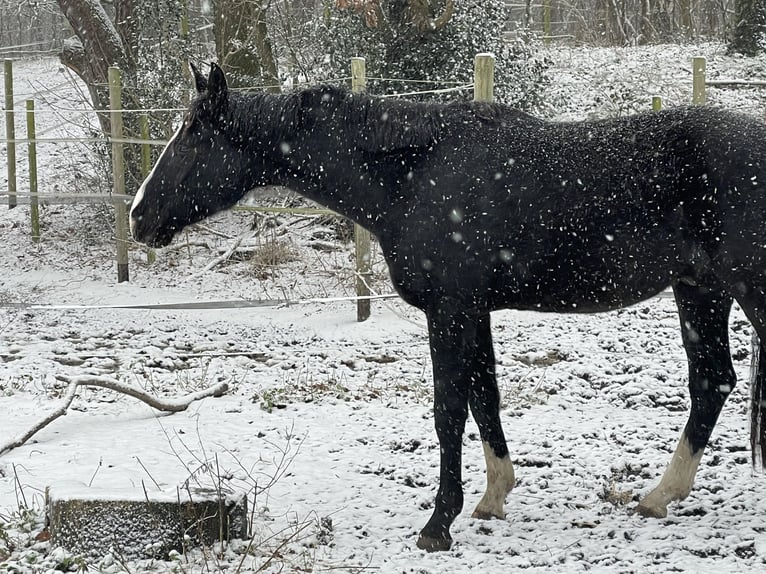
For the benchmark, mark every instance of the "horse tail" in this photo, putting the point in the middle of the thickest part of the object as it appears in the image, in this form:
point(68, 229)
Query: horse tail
point(757, 404)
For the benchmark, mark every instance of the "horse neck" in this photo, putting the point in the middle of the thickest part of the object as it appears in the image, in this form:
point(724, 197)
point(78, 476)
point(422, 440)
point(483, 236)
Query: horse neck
point(314, 157)
point(336, 179)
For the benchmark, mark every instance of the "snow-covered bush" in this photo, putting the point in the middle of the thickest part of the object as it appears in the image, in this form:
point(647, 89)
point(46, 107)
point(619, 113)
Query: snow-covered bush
point(401, 60)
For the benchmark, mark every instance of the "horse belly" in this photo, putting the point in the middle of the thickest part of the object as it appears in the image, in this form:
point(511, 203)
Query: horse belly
point(583, 281)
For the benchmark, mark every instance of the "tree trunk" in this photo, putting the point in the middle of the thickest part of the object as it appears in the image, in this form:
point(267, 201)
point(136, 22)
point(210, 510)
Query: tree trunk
point(242, 43)
point(685, 8)
point(268, 62)
point(645, 29)
point(746, 35)
point(128, 23)
point(615, 22)
point(97, 46)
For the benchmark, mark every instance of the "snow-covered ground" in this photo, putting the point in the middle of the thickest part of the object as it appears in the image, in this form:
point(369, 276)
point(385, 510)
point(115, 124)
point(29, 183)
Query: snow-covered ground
point(330, 418)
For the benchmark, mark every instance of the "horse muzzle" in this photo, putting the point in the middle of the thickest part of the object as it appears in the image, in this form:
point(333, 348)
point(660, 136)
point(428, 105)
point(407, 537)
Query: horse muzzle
point(151, 235)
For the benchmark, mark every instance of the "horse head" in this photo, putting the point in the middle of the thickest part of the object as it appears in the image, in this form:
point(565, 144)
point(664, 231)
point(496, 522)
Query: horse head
point(203, 169)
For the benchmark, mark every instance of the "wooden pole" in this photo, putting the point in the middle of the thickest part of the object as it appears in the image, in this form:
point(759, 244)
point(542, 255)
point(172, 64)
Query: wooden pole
point(146, 167)
point(484, 77)
point(698, 81)
point(547, 22)
point(146, 150)
point(118, 173)
point(34, 210)
point(10, 132)
point(656, 103)
point(183, 27)
point(362, 237)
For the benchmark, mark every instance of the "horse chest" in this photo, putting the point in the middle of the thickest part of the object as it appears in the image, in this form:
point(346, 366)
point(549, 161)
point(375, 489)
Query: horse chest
point(422, 272)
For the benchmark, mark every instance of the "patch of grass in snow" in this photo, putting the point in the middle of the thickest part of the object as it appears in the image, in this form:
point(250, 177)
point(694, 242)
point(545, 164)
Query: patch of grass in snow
point(611, 494)
point(306, 391)
point(18, 538)
point(305, 386)
point(271, 253)
point(615, 497)
point(526, 391)
point(14, 384)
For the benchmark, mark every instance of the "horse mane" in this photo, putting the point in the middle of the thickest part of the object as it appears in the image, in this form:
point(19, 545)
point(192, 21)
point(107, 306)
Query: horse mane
point(368, 123)
point(387, 124)
point(261, 116)
point(372, 123)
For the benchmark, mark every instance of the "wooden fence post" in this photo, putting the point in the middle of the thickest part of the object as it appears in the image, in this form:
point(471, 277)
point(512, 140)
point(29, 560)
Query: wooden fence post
point(183, 25)
point(547, 22)
point(10, 132)
point(484, 77)
point(32, 154)
point(118, 173)
point(698, 81)
point(362, 238)
point(656, 103)
point(146, 167)
point(146, 150)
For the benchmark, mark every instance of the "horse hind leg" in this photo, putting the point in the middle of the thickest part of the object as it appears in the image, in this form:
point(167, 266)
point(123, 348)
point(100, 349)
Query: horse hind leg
point(500, 481)
point(484, 400)
point(704, 315)
point(751, 295)
point(758, 401)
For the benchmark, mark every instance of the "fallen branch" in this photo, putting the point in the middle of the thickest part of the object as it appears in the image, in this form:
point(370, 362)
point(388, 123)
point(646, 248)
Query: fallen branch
point(208, 229)
point(168, 405)
point(185, 245)
point(225, 256)
point(736, 83)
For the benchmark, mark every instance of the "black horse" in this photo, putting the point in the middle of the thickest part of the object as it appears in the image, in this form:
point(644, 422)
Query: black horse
point(479, 207)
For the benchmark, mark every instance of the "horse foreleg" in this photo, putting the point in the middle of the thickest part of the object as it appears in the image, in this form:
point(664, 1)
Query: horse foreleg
point(484, 400)
point(704, 315)
point(450, 336)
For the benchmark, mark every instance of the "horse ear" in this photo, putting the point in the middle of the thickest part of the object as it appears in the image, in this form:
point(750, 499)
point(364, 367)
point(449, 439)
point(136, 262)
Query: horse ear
point(200, 82)
point(216, 83)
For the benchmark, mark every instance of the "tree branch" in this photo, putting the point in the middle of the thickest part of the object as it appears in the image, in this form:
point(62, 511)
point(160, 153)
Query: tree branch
point(167, 405)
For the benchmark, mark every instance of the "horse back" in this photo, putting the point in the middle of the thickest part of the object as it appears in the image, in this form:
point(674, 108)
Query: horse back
point(581, 216)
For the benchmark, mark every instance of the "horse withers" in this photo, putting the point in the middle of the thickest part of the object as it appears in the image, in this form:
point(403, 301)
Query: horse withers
point(479, 207)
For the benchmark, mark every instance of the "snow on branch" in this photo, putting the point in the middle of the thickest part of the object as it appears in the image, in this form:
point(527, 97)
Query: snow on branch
point(168, 405)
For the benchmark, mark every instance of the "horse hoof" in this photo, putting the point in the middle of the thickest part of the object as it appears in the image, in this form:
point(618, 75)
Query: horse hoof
point(431, 544)
point(651, 511)
point(486, 515)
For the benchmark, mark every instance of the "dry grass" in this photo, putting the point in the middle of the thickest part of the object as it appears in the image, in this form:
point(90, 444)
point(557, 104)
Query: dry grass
point(616, 497)
point(270, 254)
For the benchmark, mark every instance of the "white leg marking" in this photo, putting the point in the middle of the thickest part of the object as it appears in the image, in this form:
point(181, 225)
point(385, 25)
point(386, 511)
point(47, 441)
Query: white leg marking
point(500, 481)
point(676, 483)
point(140, 193)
